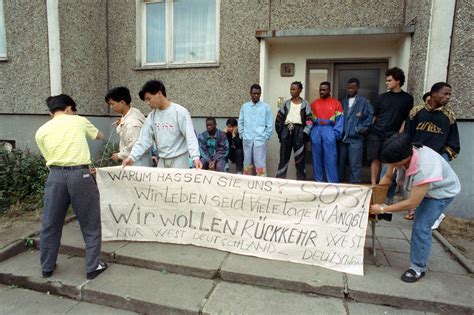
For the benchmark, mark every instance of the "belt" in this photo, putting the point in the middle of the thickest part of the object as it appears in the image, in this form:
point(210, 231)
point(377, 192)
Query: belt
point(323, 122)
point(68, 168)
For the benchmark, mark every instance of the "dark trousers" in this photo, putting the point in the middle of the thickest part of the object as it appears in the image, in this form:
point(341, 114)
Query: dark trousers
point(78, 188)
point(292, 141)
point(351, 152)
point(237, 156)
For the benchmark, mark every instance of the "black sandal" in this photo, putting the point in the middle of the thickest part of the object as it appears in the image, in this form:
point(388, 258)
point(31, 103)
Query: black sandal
point(411, 276)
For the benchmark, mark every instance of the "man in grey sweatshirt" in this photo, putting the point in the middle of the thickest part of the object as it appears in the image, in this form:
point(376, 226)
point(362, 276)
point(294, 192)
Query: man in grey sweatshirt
point(170, 127)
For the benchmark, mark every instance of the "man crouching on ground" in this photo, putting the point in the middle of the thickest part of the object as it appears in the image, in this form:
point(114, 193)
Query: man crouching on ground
point(63, 143)
point(428, 184)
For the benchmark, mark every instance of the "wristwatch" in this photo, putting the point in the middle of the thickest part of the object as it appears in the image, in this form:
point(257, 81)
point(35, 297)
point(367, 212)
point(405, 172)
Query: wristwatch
point(382, 210)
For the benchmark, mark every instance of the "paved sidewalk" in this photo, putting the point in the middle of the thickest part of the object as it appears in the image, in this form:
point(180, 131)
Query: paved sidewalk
point(157, 277)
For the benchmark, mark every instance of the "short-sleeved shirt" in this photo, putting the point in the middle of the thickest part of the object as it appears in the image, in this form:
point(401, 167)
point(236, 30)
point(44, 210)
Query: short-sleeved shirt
point(391, 110)
point(63, 140)
point(427, 166)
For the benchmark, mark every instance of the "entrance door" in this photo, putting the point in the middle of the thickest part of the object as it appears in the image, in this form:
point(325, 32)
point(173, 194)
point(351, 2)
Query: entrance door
point(371, 75)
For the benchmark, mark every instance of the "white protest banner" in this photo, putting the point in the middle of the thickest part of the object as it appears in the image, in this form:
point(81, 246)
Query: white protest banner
point(305, 222)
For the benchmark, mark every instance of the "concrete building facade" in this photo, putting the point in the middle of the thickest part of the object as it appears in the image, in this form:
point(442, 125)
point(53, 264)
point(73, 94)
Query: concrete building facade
point(85, 47)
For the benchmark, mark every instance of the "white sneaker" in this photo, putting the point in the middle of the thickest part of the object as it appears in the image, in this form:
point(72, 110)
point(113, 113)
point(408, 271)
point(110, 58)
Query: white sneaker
point(438, 221)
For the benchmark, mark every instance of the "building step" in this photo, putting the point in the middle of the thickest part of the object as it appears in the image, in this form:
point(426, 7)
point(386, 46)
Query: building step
point(148, 291)
point(438, 291)
point(14, 300)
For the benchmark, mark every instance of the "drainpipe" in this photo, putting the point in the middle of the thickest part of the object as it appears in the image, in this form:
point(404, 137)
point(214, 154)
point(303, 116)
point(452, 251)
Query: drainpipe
point(52, 8)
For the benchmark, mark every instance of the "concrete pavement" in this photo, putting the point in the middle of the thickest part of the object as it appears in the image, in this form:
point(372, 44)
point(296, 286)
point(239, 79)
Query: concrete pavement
point(156, 277)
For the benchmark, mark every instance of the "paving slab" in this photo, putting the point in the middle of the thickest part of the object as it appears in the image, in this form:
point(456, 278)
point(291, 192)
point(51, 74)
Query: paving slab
point(437, 249)
point(406, 232)
point(147, 291)
point(281, 274)
point(370, 260)
point(364, 309)
point(83, 308)
point(182, 259)
point(436, 292)
point(368, 242)
point(24, 270)
point(389, 232)
point(394, 245)
point(447, 265)
point(23, 301)
point(231, 298)
point(398, 260)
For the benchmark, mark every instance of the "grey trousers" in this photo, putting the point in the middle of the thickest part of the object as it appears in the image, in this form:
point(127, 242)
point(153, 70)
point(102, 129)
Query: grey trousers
point(180, 161)
point(78, 188)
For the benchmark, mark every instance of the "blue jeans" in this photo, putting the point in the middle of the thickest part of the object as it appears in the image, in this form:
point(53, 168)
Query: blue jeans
point(426, 214)
point(352, 152)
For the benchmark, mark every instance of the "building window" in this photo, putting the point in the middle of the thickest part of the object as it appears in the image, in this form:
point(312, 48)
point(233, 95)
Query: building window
point(3, 41)
point(177, 32)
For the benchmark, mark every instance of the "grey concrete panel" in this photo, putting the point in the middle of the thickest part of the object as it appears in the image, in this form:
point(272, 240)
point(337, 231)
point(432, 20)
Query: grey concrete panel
point(147, 291)
point(24, 270)
point(3, 288)
point(24, 78)
point(446, 265)
point(229, 298)
point(217, 91)
point(398, 260)
point(433, 292)
point(181, 259)
point(87, 308)
point(83, 37)
point(368, 241)
point(21, 301)
point(363, 309)
point(389, 232)
point(297, 14)
point(379, 259)
point(461, 61)
point(394, 245)
point(280, 274)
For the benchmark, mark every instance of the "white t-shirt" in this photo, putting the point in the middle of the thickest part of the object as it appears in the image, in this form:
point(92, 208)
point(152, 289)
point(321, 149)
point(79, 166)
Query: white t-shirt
point(351, 101)
point(294, 115)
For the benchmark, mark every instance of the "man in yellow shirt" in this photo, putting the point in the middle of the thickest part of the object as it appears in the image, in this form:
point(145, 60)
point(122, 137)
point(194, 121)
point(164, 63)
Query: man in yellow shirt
point(63, 143)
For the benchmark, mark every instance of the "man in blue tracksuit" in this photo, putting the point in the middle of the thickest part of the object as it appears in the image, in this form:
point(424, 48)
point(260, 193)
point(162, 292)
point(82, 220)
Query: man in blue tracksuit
point(328, 123)
point(357, 119)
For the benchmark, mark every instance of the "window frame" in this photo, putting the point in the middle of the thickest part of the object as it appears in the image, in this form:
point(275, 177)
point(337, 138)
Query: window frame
point(141, 36)
point(3, 35)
